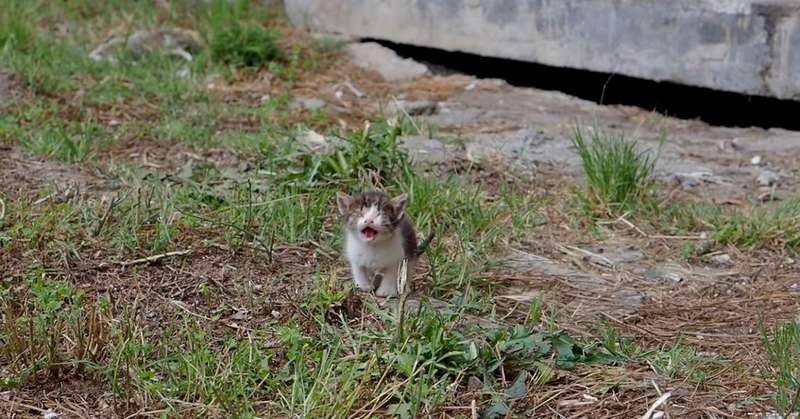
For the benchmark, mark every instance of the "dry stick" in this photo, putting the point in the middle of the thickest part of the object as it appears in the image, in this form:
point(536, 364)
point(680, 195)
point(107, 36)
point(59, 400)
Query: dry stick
point(655, 236)
point(149, 259)
point(656, 404)
point(2, 209)
point(181, 305)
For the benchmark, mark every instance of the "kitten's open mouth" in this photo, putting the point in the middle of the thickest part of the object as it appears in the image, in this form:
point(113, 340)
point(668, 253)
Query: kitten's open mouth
point(369, 233)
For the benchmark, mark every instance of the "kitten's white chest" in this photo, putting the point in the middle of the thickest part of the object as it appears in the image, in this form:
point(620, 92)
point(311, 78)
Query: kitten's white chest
point(375, 257)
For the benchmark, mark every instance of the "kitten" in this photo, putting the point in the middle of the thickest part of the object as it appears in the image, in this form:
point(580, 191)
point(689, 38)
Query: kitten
point(378, 236)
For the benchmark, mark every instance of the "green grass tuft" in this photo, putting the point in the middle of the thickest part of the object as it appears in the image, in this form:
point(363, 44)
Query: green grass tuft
point(619, 176)
point(771, 225)
point(244, 45)
point(783, 348)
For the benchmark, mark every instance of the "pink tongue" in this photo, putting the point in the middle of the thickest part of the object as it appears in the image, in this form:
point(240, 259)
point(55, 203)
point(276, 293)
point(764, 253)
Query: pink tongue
point(368, 233)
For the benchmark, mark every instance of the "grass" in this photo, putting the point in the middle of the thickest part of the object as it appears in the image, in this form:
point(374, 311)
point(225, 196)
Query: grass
point(619, 176)
point(677, 361)
point(50, 329)
point(782, 344)
point(765, 226)
point(170, 97)
point(259, 319)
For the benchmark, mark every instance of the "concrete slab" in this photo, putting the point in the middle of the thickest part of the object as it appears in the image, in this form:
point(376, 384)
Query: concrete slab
point(744, 46)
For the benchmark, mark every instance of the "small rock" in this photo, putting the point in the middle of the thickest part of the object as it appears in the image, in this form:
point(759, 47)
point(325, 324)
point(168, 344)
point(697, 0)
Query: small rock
point(723, 259)
point(474, 383)
point(307, 103)
point(423, 149)
point(411, 107)
point(768, 178)
point(756, 160)
point(241, 315)
point(479, 153)
point(317, 143)
point(50, 415)
point(376, 57)
point(182, 72)
point(354, 90)
point(657, 275)
point(275, 313)
point(767, 196)
point(170, 41)
point(265, 99)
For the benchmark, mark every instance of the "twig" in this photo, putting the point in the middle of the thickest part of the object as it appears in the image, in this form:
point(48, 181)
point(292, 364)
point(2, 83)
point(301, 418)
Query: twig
point(474, 407)
point(181, 305)
point(658, 390)
point(631, 225)
point(43, 199)
point(104, 220)
point(407, 115)
point(656, 404)
point(593, 257)
point(353, 89)
point(148, 259)
point(623, 220)
point(2, 209)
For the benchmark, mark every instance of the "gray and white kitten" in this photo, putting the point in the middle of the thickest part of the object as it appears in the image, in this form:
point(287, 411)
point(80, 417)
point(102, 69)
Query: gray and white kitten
point(378, 236)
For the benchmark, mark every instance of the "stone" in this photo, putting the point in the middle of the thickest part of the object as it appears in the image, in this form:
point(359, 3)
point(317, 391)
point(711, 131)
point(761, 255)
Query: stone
point(318, 144)
point(768, 178)
point(375, 57)
point(170, 41)
point(474, 383)
point(524, 263)
point(662, 275)
point(411, 107)
point(722, 260)
point(422, 149)
point(307, 103)
point(743, 46)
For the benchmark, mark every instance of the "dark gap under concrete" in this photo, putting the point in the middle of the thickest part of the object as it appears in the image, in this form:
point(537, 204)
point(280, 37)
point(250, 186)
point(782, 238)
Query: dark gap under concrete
point(676, 100)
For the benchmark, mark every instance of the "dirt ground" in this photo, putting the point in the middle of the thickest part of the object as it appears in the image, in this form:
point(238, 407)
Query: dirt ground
point(630, 276)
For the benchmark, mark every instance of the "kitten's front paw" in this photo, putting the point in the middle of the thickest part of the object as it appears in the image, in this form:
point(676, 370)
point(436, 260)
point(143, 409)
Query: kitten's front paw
point(363, 287)
point(386, 291)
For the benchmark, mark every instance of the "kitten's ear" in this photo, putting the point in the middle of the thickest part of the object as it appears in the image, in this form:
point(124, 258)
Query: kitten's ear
point(343, 202)
point(399, 203)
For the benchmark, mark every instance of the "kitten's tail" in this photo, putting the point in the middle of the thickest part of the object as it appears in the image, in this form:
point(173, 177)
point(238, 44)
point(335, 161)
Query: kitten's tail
point(424, 244)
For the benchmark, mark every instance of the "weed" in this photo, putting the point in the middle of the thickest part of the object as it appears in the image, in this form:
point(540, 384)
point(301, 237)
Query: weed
point(619, 176)
point(46, 327)
point(677, 361)
point(244, 45)
point(241, 44)
point(371, 156)
point(17, 30)
point(72, 143)
point(770, 225)
point(782, 344)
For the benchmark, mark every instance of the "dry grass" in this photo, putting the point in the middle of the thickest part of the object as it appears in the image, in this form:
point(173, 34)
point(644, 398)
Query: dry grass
point(287, 303)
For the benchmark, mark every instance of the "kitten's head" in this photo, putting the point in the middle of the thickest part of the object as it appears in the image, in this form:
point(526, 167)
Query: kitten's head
point(371, 216)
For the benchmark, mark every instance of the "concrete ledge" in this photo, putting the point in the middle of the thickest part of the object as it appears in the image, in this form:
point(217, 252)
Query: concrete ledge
point(744, 46)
